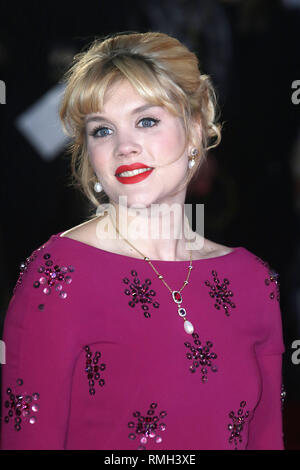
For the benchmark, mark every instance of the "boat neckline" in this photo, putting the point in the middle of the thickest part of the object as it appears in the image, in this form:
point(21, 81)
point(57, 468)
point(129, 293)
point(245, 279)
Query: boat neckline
point(235, 250)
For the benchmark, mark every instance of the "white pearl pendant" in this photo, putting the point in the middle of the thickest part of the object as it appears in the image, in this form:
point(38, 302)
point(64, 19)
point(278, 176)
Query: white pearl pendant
point(188, 327)
point(191, 163)
point(97, 187)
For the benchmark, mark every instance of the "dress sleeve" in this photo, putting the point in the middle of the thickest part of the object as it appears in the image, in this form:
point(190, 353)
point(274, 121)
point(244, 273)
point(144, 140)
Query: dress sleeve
point(265, 428)
point(36, 376)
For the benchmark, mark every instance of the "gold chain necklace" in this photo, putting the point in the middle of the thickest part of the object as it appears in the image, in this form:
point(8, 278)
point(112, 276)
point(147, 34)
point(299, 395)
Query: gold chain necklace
point(176, 294)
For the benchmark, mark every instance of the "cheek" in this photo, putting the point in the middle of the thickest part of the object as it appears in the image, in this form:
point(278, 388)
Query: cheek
point(97, 156)
point(171, 144)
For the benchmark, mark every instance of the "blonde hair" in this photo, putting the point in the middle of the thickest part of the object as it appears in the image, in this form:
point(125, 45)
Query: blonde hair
point(161, 69)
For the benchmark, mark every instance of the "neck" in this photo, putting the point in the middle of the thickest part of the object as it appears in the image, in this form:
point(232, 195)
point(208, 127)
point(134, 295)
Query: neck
point(159, 232)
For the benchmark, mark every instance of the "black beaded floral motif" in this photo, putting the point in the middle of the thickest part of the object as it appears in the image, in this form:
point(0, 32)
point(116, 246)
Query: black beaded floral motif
point(221, 293)
point(147, 427)
point(201, 356)
point(93, 369)
point(271, 280)
point(237, 425)
point(21, 407)
point(24, 267)
point(140, 293)
point(52, 277)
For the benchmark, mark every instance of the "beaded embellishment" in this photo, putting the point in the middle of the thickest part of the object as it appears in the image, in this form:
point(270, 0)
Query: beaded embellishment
point(201, 356)
point(21, 407)
point(237, 425)
point(53, 277)
point(24, 266)
point(147, 427)
point(93, 369)
point(140, 293)
point(221, 293)
point(271, 280)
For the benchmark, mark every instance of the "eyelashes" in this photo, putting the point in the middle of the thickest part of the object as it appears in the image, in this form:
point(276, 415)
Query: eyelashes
point(103, 131)
point(156, 121)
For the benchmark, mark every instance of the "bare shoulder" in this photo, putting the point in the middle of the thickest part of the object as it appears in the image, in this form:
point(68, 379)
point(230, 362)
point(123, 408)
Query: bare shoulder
point(94, 233)
point(209, 249)
point(219, 250)
point(85, 232)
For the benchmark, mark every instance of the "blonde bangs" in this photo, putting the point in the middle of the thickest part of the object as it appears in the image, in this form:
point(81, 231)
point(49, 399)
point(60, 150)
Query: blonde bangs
point(146, 82)
point(85, 97)
point(89, 91)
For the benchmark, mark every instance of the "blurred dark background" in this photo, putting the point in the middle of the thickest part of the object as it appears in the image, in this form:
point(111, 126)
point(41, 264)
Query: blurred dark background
point(251, 183)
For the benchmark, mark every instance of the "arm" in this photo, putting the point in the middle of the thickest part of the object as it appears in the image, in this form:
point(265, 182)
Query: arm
point(36, 379)
point(265, 429)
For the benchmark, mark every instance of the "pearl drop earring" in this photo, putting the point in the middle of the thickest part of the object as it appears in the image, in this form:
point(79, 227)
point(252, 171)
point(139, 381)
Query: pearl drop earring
point(192, 159)
point(97, 187)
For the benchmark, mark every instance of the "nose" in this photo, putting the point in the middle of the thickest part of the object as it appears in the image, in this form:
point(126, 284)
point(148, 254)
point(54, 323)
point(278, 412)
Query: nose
point(127, 146)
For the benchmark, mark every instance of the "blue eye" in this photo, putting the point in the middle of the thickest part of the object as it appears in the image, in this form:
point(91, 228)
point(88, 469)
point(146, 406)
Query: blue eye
point(101, 132)
point(149, 122)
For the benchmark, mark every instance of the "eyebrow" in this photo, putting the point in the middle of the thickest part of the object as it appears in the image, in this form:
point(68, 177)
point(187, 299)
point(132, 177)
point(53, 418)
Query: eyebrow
point(140, 109)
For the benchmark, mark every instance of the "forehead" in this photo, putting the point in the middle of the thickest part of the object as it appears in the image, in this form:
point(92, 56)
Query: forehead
point(124, 94)
point(121, 87)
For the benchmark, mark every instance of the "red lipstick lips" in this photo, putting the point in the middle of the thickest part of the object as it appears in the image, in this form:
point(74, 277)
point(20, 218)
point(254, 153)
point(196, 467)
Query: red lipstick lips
point(135, 178)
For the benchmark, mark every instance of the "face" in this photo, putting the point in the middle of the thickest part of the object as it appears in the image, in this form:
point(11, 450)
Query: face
point(136, 149)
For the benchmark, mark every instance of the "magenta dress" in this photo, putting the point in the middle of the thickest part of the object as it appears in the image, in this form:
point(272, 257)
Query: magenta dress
point(97, 356)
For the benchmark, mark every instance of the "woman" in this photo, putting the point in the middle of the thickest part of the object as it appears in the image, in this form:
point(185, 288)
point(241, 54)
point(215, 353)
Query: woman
point(131, 331)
